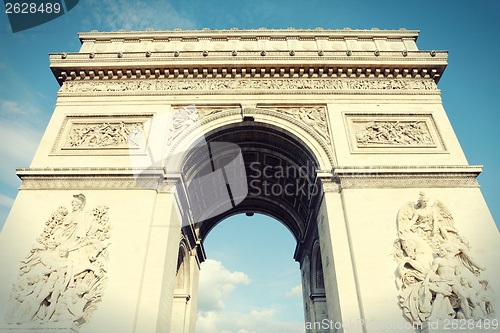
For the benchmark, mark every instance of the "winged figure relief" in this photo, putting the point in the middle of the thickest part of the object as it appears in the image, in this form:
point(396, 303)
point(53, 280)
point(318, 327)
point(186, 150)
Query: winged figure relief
point(437, 277)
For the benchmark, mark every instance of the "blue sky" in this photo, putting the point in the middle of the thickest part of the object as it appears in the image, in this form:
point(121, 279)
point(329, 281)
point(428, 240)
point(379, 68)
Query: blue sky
point(470, 89)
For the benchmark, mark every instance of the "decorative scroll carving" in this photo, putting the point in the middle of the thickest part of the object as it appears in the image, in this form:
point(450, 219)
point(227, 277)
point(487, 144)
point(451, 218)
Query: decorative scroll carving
point(215, 84)
point(437, 277)
point(401, 133)
point(63, 277)
point(103, 134)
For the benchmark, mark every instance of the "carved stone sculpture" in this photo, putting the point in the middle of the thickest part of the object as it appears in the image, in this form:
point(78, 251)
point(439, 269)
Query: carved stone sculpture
point(63, 277)
point(414, 133)
point(235, 84)
point(436, 275)
point(314, 117)
point(101, 134)
point(182, 118)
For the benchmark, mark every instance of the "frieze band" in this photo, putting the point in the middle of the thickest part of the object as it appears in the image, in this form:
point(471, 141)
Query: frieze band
point(217, 85)
point(405, 181)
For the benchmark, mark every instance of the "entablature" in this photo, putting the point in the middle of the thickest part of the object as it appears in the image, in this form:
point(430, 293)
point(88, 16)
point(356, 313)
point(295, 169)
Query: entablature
point(249, 53)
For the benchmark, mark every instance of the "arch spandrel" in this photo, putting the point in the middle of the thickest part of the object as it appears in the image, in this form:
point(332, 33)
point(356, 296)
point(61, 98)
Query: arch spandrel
point(213, 119)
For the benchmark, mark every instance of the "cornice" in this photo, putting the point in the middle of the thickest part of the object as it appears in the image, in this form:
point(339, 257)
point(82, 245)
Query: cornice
point(243, 56)
point(95, 179)
point(410, 181)
point(191, 64)
point(384, 169)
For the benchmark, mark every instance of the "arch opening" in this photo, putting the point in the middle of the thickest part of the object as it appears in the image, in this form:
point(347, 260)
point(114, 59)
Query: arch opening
point(251, 257)
point(280, 171)
point(281, 177)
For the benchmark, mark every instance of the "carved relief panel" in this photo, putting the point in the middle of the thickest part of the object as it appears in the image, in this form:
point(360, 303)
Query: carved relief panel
point(393, 133)
point(63, 277)
point(100, 135)
point(437, 276)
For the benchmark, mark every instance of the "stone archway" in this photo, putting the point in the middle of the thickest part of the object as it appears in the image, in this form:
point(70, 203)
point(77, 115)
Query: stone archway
point(361, 108)
point(283, 183)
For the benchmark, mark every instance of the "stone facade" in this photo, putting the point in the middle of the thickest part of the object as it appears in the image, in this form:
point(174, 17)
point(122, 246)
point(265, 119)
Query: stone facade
point(359, 112)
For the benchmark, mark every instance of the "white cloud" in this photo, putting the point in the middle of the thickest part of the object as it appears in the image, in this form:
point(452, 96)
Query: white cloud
point(10, 107)
point(136, 15)
point(13, 108)
point(20, 134)
point(257, 321)
point(216, 284)
point(209, 322)
point(294, 292)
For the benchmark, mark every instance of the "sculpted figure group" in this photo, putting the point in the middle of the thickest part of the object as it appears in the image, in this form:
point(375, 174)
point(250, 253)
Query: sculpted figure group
point(437, 277)
point(395, 132)
point(235, 84)
point(62, 278)
point(102, 134)
point(314, 117)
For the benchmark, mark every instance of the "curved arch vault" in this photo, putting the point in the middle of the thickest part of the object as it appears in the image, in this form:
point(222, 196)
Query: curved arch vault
point(273, 159)
point(337, 129)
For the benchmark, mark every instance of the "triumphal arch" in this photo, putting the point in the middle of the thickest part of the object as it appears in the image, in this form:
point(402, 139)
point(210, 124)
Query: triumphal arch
point(157, 136)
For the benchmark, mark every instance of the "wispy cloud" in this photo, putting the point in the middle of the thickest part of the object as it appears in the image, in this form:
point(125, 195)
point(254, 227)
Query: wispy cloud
point(10, 106)
point(294, 292)
point(18, 109)
point(20, 134)
point(135, 15)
